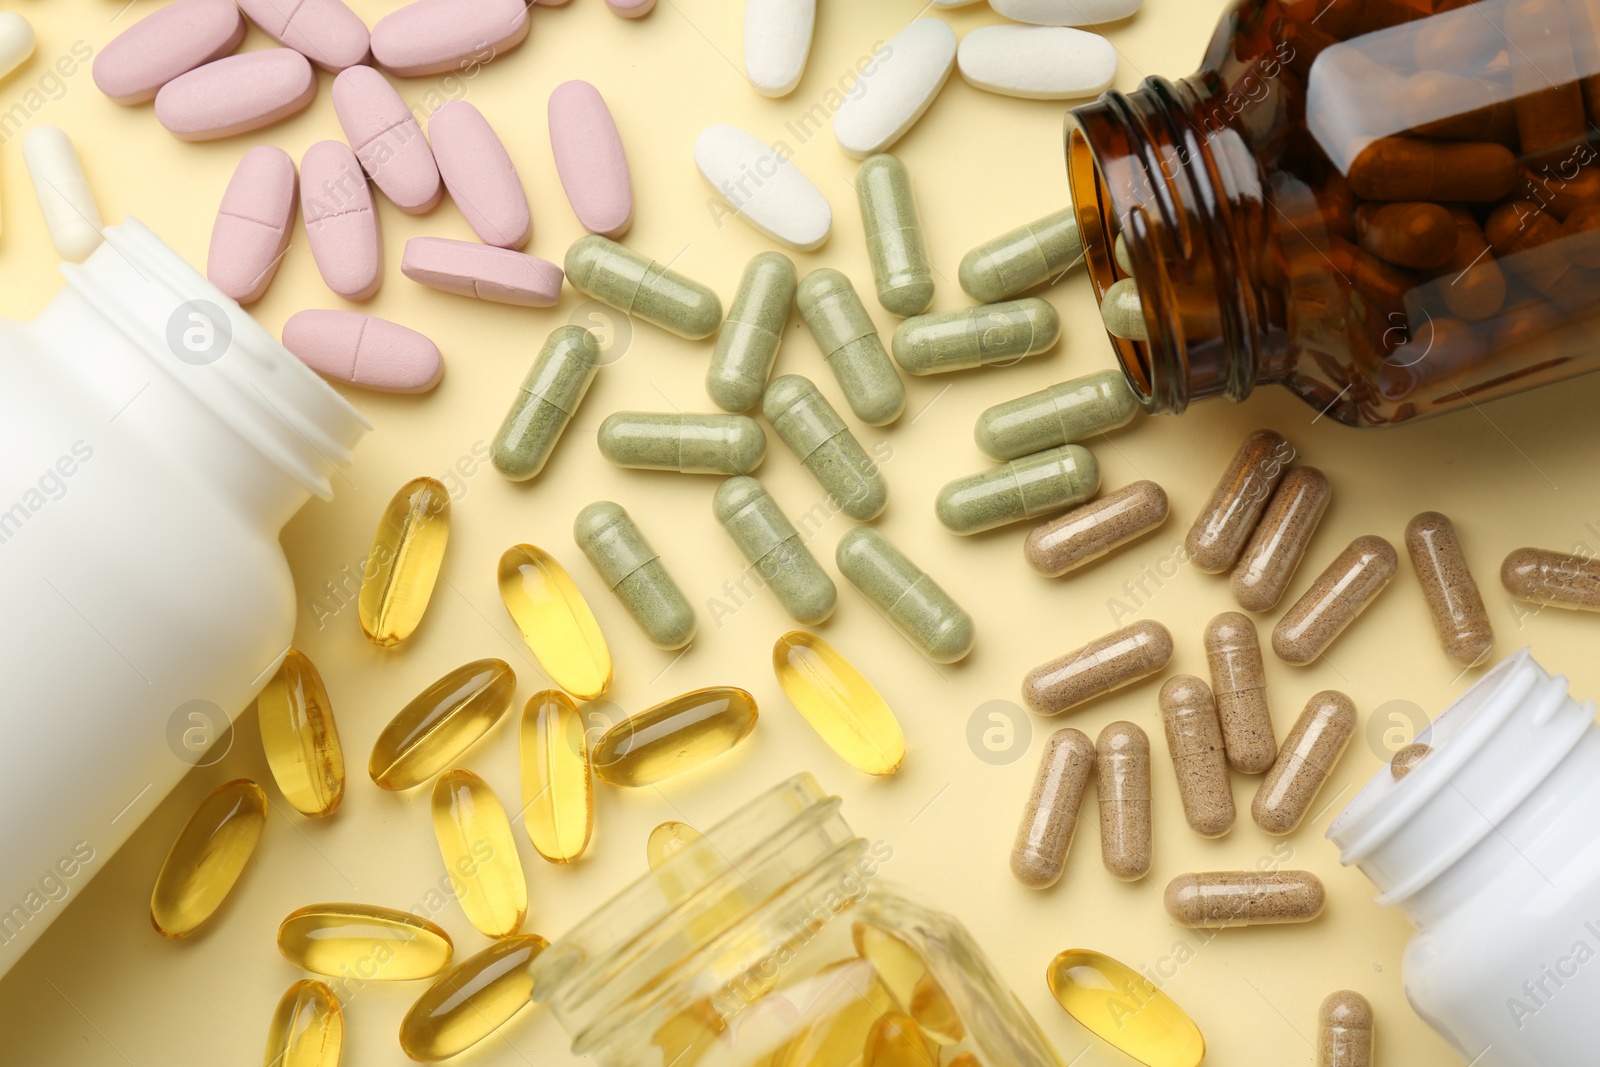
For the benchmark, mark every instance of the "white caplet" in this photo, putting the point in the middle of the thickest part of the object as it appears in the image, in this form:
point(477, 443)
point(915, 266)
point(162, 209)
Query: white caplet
point(1065, 12)
point(763, 187)
point(903, 80)
point(954, 3)
point(16, 41)
point(777, 40)
point(1037, 62)
point(67, 202)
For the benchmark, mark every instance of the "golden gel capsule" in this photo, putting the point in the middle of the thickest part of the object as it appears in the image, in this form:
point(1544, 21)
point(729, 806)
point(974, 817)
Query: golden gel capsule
point(557, 797)
point(1459, 617)
point(1050, 819)
point(406, 553)
point(674, 736)
point(1122, 779)
point(1194, 737)
point(1553, 579)
point(1344, 1030)
point(441, 722)
point(307, 1029)
point(1307, 757)
point(1104, 664)
point(839, 703)
point(1341, 592)
point(1125, 1009)
point(471, 1000)
point(479, 853)
point(555, 621)
point(907, 979)
point(299, 737)
point(363, 942)
point(1239, 679)
point(896, 1040)
point(1215, 900)
point(850, 998)
point(1223, 526)
point(207, 858)
point(667, 840)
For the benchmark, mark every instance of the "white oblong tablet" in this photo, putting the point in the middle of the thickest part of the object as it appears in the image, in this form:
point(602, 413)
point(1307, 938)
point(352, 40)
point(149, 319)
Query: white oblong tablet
point(1065, 12)
point(777, 40)
point(763, 187)
point(16, 41)
point(897, 86)
point(1037, 62)
point(67, 202)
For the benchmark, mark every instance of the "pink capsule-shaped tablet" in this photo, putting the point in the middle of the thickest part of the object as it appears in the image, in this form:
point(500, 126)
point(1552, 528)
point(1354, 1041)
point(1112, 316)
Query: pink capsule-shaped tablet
point(590, 159)
point(236, 94)
point(341, 225)
point(324, 31)
point(479, 174)
point(631, 9)
point(358, 349)
point(253, 224)
point(467, 268)
point(435, 36)
point(173, 40)
point(387, 139)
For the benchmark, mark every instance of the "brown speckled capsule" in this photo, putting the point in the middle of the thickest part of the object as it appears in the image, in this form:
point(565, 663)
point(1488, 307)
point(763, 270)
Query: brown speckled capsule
point(1096, 529)
point(1279, 543)
point(1239, 679)
point(1051, 817)
point(1224, 525)
point(1553, 579)
point(1453, 599)
point(1104, 664)
point(1304, 762)
point(1194, 737)
point(1340, 593)
point(1405, 761)
point(1217, 899)
point(1122, 781)
point(1344, 1030)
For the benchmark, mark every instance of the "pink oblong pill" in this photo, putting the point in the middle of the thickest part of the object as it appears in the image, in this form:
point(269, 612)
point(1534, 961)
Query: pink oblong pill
point(253, 224)
point(590, 159)
point(631, 9)
point(358, 349)
point(387, 139)
point(324, 31)
point(467, 268)
point(480, 175)
point(433, 36)
point(236, 94)
point(341, 225)
point(171, 41)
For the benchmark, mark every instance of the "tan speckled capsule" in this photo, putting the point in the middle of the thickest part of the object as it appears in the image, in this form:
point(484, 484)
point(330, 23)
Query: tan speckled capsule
point(1096, 529)
point(1239, 679)
point(1194, 737)
point(1279, 543)
point(1307, 757)
point(1104, 664)
point(1344, 1030)
point(1453, 599)
point(1215, 900)
point(1405, 761)
point(1051, 816)
point(1340, 593)
point(1226, 522)
point(1553, 579)
point(1122, 780)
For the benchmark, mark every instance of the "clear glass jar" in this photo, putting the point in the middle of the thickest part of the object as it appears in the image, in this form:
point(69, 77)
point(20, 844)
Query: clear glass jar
point(774, 942)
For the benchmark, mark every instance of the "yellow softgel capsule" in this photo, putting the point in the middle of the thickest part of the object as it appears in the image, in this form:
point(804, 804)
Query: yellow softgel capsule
point(1124, 1008)
point(839, 703)
point(555, 621)
point(906, 976)
point(557, 797)
point(667, 840)
point(404, 564)
point(471, 1000)
point(674, 736)
point(441, 722)
point(895, 1040)
point(307, 1029)
point(363, 943)
point(479, 853)
point(208, 857)
point(839, 1038)
point(298, 734)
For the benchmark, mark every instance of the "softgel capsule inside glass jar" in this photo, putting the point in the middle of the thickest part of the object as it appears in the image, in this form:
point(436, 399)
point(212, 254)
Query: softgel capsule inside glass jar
point(774, 940)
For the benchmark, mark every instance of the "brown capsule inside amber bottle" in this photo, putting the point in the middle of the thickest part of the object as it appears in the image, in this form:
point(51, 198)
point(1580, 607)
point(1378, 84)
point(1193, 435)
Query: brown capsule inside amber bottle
point(1239, 681)
point(1122, 782)
point(1050, 818)
point(1407, 234)
point(1308, 756)
point(1399, 168)
point(1340, 593)
point(1199, 759)
point(1459, 615)
point(1219, 899)
point(1344, 1030)
point(1554, 579)
point(1104, 664)
point(1478, 286)
point(1226, 522)
point(1096, 529)
point(1279, 543)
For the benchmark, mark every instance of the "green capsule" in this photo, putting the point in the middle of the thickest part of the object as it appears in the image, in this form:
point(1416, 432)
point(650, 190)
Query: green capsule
point(995, 335)
point(1066, 412)
point(773, 547)
point(825, 446)
point(684, 442)
point(1017, 261)
point(615, 275)
point(549, 397)
point(849, 342)
point(919, 609)
point(748, 344)
point(634, 571)
point(894, 236)
point(1025, 488)
point(1122, 311)
point(1119, 252)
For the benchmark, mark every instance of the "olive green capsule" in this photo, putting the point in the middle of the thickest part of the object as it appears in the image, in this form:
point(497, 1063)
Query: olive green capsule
point(548, 399)
point(894, 236)
point(849, 342)
point(1066, 412)
point(1120, 252)
point(773, 547)
point(748, 344)
point(683, 442)
point(1025, 488)
point(615, 275)
point(1017, 261)
point(1122, 311)
point(634, 571)
point(995, 335)
point(919, 609)
point(825, 446)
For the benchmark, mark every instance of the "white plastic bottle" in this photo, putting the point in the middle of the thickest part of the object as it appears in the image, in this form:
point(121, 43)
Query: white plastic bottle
point(153, 441)
point(1491, 847)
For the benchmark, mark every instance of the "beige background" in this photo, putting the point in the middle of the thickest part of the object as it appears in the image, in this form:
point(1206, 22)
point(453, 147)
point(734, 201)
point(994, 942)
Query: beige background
point(101, 988)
